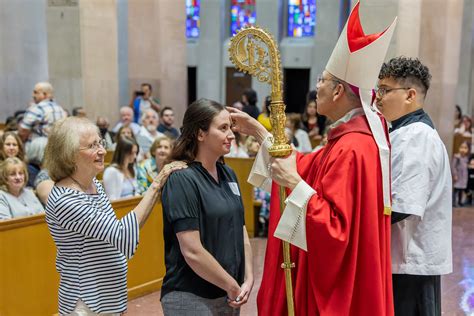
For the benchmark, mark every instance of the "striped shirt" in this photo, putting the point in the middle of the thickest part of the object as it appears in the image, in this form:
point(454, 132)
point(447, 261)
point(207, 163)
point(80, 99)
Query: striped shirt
point(92, 249)
point(40, 117)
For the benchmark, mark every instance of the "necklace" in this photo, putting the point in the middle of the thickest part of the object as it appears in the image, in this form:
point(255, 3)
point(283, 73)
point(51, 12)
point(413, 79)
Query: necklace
point(80, 185)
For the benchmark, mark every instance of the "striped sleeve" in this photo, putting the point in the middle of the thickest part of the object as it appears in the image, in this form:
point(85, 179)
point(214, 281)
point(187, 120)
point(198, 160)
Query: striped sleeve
point(32, 115)
point(86, 218)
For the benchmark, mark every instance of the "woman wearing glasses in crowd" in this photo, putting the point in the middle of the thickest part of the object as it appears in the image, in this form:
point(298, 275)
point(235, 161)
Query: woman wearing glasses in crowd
point(120, 178)
point(207, 250)
point(15, 199)
point(92, 244)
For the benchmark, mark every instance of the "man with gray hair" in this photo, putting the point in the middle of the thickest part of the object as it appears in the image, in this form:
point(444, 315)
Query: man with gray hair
point(42, 114)
point(126, 119)
point(148, 132)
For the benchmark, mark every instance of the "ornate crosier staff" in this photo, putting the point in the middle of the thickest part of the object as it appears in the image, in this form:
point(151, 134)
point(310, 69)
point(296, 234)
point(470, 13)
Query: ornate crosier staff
point(253, 50)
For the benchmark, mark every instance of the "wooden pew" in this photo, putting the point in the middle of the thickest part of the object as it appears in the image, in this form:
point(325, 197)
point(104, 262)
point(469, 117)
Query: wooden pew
point(108, 157)
point(29, 280)
point(242, 167)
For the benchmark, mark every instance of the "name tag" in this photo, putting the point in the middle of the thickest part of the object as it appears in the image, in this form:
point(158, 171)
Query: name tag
point(235, 188)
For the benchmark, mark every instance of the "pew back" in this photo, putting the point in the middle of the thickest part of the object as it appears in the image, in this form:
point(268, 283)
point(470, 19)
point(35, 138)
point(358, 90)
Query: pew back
point(29, 280)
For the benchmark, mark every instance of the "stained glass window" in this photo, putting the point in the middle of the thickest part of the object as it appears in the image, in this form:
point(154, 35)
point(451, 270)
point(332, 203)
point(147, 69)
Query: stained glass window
point(301, 18)
point(192, 18)
point(242, 13)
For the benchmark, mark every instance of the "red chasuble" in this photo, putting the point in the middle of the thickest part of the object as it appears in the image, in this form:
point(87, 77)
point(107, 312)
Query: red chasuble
point(347, 269)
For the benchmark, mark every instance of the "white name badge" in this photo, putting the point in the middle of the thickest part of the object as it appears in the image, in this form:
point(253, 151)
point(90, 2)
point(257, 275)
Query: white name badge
point(235, 188)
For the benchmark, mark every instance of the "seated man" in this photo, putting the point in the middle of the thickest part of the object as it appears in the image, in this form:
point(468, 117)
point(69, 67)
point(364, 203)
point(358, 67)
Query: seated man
point(167, 121)
point(126, 119)
point(41, 115)
point(148, 133)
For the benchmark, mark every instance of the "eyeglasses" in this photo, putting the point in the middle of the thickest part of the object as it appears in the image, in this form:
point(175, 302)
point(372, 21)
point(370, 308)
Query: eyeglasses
point(321, 79)
point(95, 146)
point(383, 91)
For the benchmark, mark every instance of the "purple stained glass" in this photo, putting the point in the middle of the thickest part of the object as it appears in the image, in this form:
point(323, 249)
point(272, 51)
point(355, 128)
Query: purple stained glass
point(192, 18)
point(301, 18)
point(242, 13)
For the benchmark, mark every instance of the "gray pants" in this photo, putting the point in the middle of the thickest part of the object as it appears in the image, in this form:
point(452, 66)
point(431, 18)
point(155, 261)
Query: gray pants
point(187, 304)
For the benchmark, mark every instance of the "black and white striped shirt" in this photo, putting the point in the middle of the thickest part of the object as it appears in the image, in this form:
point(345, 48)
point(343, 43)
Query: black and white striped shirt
point(92, 249)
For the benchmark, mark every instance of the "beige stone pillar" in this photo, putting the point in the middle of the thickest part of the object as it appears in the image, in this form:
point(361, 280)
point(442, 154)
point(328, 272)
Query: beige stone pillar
point(431, 31)
point(83, 55)
point(23, 53)
point(157, 51)
point(439, 47)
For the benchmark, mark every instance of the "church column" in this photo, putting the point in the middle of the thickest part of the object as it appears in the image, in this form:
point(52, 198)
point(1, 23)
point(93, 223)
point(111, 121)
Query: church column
point(23, 53)
point(210, 72)
point(157, 51)
point(83, 55)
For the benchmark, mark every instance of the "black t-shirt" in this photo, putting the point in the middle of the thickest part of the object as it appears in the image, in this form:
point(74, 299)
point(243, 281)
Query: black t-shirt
point(193, 200)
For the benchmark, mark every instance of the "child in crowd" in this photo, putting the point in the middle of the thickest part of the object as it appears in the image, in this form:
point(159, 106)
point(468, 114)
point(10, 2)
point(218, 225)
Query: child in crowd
point(460, 173)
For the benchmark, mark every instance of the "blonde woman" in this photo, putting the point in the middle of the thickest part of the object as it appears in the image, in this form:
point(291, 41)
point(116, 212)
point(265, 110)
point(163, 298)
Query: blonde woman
point(149, 168)
point(15, 199)
point(93, 245)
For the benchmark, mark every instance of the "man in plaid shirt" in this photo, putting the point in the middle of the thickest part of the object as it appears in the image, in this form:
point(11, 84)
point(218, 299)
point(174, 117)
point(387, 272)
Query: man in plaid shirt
point(41, 115)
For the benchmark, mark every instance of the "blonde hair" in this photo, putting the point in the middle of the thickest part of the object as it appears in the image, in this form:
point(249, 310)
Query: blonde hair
point(157, 142)
point(21, 148)
point(5, 169)
point(63, 146)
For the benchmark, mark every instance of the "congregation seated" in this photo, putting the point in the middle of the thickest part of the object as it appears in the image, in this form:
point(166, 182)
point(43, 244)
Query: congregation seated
point(148, 169)
point(124, 131)
point(237, 147)
point(120, 178)
point(299, 137)
point(43, 185)
point(11, 146)
point(148, 132)
point(103, 125)
point(35, 154)
point(15, 199)
point(126, 119)
point(166, 124)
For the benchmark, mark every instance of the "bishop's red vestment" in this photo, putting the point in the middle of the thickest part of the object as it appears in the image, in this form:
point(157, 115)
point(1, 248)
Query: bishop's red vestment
point(347, 268)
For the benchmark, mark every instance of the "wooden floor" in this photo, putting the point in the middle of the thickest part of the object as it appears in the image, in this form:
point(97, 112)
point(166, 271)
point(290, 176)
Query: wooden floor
point(457, 288)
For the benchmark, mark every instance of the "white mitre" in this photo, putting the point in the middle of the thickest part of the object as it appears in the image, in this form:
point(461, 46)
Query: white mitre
point(357, 59)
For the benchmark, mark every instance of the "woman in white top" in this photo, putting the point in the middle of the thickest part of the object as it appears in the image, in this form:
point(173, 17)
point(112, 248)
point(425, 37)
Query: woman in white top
point(120, 178)
point(93, 245)
point(299, 137)
point(15, 199)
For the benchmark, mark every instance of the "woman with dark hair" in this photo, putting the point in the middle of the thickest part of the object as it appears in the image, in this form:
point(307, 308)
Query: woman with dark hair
point(207, 250)
point(313, 123)
point(264, 117)
point(457, 117)
point(120, 179)
point(249, 99)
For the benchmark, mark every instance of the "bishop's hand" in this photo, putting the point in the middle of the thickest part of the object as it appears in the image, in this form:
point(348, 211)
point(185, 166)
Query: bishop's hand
point(247, 125)
point(284, 171)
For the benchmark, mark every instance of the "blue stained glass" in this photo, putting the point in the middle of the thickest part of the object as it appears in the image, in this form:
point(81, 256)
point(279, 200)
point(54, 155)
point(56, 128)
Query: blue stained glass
point(192, 18)
point(301, 18)
point(242, 13)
